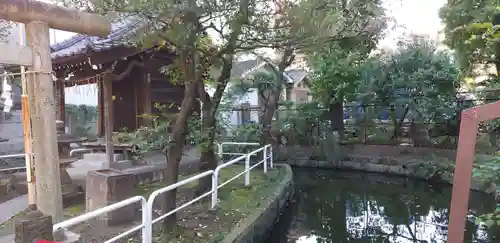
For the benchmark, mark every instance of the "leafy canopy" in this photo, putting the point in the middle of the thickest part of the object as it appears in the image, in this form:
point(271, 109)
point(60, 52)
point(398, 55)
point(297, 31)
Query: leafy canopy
point(470, 32)
point(416, 76)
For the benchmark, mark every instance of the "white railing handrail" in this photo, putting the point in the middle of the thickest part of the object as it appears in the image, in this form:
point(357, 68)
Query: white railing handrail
point(12, 156)
point(147, 205)
point(220, 146)
point(6, 156)
point(215, 181)
point(13, 169)
point(231, 162)
point(239, 143)
point(150, 203)
point(90, 215)
point(73, 151)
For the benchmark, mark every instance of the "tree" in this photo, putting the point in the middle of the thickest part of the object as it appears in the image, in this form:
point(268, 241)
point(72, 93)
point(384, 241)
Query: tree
point(338, 20)
point(208, 160)
point(417, 78)
point(470, 33)
point(5, 29)
point(183, 27)
point(336, 76)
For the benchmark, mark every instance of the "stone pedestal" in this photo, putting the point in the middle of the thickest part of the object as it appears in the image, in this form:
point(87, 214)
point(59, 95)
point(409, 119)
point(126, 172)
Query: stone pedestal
point(33, 226)
point(108, 186)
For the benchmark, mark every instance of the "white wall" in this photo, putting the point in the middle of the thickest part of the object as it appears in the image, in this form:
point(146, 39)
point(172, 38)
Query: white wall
point(252, 97)
point(232, 118)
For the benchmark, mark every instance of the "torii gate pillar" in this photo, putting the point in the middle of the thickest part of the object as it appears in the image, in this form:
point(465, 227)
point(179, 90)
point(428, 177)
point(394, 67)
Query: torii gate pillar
point(462, 176)
point(39, 17)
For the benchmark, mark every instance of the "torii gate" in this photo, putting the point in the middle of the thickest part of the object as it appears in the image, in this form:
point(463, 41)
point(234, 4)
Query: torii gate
point(38, 18)
point(462, 176)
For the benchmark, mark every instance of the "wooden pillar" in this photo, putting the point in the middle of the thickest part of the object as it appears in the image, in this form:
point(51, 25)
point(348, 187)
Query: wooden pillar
point(107, 84)
point(48, 181)
point(59, 99)
point(61, 102)
point(147, 101)
point(100, 110)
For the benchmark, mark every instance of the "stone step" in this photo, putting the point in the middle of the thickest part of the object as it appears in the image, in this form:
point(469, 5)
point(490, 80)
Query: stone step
point(102, 157)
point(146, 174)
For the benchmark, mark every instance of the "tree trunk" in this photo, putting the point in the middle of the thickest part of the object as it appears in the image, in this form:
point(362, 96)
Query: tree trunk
point(210, 105)
point(209, 110)
point(175, 150)
point(208, 160)
point(399, 124)
point(267, 117)
point(178, 136)
point(419, 134)
point(336, 111)
point(271, 104)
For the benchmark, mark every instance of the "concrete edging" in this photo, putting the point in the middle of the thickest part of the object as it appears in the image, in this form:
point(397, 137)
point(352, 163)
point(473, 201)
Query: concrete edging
point(374, 167)
point(257, 225)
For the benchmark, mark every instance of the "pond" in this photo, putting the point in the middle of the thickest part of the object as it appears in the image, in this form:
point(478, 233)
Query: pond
point(341, 206)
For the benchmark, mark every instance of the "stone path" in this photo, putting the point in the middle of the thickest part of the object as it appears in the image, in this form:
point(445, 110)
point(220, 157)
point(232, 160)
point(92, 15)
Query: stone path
point(13, 207)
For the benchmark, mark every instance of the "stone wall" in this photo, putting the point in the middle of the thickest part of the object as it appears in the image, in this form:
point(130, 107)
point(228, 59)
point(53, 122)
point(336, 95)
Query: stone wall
point(422, 163)
point(257, 226)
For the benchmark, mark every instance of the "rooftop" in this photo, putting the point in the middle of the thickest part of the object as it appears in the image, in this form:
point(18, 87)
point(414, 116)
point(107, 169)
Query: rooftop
point(122, 29)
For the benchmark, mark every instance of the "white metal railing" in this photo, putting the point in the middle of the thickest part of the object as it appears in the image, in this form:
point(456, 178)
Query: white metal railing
point(90, 215)
point(221, 147)
point(12, 156)
point(79, 150)
point(147, 205)
point(149, 220)
point(14, 169)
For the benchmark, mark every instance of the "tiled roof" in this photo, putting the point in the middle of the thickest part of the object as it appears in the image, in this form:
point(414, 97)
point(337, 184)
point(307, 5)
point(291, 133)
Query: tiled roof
point(242, 67)
point(296, 74)
point(239, 68)
point(121, 31)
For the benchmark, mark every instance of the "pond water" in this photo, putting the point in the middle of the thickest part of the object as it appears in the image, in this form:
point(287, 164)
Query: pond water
point(334, 206)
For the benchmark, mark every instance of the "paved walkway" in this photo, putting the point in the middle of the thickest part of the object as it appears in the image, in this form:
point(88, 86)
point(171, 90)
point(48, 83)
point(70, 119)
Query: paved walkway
point(13, 207)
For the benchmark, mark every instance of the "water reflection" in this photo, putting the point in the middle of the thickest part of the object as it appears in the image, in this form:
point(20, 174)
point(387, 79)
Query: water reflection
point(362, 207)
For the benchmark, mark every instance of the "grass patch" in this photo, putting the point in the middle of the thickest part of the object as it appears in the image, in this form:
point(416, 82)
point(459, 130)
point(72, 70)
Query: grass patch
point(146, 190)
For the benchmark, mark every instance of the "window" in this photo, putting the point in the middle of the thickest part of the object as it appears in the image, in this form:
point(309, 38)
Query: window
point(245, 113)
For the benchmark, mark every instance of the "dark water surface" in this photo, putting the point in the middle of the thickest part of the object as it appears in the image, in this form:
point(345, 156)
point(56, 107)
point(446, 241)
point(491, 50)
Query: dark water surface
point(333, 206)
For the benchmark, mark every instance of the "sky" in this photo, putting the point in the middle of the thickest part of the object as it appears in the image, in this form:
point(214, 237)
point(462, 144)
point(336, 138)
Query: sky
point(416, 17)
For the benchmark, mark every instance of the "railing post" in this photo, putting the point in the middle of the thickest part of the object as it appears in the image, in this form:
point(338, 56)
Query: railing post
point(215, 182)
point(147, 220)
point(264, 157)
point(247, 169)
point(220, 149)
point(271, 156)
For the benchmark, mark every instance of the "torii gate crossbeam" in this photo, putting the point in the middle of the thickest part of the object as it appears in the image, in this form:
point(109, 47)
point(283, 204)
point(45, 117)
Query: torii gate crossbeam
point(38, 18)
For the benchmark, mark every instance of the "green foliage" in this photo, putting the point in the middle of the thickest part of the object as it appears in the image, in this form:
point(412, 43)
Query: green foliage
point(416, 76)
point(81, 113)
point(301, 124)
point(246, 133)
point(5, 29)
point(82, 117)
point(488, 170)
point(337, 65)
point(470, 32)
point(151, 139)
point(490, 219)
point(336, 74)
